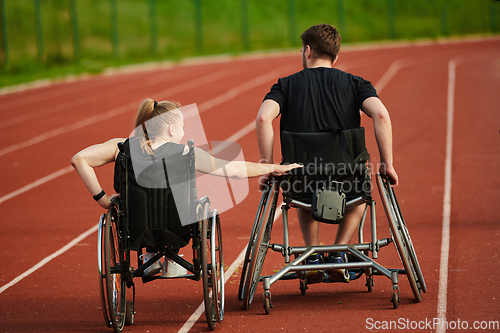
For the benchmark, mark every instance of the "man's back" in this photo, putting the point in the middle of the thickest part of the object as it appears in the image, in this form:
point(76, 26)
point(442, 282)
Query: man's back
point(315, 99)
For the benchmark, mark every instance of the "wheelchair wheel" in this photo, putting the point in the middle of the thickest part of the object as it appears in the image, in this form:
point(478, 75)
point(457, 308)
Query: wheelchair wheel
point(113, 272)
point(259, 248)
point(406, 237)
point(246, 259)
point(212, 266)
point(218, 267)
point(100, 266)
point(401, 238)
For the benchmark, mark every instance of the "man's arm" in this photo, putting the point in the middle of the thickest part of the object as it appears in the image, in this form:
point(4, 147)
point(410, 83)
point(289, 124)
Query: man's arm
point(374, 109)
point(269, 110)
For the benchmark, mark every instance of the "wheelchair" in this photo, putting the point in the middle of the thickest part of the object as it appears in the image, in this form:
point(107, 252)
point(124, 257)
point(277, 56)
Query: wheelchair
point(327, 202)
point(148, 217)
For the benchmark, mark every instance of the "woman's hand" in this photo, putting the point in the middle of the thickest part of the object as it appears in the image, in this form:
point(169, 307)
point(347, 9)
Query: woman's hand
point(279, 169)
point(105, 201)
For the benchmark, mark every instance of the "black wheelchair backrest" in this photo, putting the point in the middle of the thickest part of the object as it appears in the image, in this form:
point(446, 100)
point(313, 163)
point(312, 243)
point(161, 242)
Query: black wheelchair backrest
point(329, 156)
point(331, 146)
point(152, 216)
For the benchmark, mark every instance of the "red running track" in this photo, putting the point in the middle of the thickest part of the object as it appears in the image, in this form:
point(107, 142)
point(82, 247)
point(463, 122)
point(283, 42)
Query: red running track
point(44, 206)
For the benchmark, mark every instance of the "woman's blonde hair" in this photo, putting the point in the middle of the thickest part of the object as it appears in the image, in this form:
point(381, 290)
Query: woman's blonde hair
point(153, 118)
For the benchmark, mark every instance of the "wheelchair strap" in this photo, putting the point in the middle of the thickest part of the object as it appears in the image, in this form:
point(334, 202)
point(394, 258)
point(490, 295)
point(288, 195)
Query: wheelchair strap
point(356, 142)
point(364, 155)
point(346, 152)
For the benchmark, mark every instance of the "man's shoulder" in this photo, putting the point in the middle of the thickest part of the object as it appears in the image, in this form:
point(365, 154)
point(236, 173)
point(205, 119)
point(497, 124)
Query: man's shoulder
point(321, 71)
point(311, 72)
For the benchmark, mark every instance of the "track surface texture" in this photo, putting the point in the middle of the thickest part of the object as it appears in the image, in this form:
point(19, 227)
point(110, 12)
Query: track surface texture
point(442, 98)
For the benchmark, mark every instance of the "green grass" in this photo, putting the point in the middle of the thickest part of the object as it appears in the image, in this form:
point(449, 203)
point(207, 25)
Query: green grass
point(271, 25)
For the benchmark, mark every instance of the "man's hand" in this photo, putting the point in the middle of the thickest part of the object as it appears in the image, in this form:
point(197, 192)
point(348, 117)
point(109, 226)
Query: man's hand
point(387, 171)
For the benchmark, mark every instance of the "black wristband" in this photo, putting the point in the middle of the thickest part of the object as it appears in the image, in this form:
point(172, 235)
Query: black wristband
point(99, 196)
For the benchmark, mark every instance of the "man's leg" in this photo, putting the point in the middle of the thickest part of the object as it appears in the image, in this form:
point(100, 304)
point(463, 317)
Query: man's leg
point(310, 233)
point(309, 227)
point(345, 231)
point(347, 227)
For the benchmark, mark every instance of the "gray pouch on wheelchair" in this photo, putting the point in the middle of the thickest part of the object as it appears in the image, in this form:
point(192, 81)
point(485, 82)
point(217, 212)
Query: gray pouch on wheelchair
point(328, 205)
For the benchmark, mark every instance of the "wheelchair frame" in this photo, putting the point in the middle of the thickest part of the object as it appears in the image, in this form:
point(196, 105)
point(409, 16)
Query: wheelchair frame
point(114, 260)
point(260, 237)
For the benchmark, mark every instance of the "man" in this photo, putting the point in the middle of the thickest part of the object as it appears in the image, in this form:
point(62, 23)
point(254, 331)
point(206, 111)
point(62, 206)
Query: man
point(315, 99)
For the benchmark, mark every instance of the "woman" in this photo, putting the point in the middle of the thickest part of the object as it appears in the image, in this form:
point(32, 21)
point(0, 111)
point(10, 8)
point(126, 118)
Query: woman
point(160, 127)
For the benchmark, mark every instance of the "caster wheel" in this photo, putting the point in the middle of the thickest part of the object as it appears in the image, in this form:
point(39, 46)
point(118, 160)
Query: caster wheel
point(129, 313)
point(369, 284)
point(395, 300)
point(267, 302)
point(303, 287)
point(267, 305)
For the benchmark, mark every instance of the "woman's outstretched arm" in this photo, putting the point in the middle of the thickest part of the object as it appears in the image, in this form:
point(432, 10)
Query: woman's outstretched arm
point(92, 157)
point(206, 163)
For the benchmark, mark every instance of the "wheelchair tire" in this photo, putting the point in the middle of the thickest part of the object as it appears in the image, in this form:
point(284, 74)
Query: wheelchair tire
point(401, 238)
point(218, 298)
point(407, 239)
point(212, 266)
point(251, 242)
point(100, 266)
point(259, 249)
point(113, 271)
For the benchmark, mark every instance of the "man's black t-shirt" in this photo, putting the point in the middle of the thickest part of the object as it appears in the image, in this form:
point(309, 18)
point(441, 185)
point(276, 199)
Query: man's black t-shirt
point(315, 99)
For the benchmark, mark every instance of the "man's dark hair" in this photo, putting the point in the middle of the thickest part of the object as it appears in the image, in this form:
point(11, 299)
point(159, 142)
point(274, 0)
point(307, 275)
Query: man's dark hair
point(323, 39)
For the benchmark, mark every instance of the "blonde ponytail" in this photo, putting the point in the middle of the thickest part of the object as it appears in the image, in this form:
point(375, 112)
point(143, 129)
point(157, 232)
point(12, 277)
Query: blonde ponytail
point(152, 119)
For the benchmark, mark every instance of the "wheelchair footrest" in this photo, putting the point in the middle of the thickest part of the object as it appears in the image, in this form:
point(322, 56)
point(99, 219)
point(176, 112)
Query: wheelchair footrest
point(146, 279)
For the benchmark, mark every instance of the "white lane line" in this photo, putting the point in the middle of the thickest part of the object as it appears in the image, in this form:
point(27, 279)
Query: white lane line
point(238, 90)
point(78, 85)
point(49, 258)
point(445, 235)
point(388, 75)
point(445, 238)
point(203, 107)
point(199, 311)
point(232, 93)
point(233, 138)
point(86, 100)
point(65, 129)
point(207, 79)
point(36, 183)
point(61, 172)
